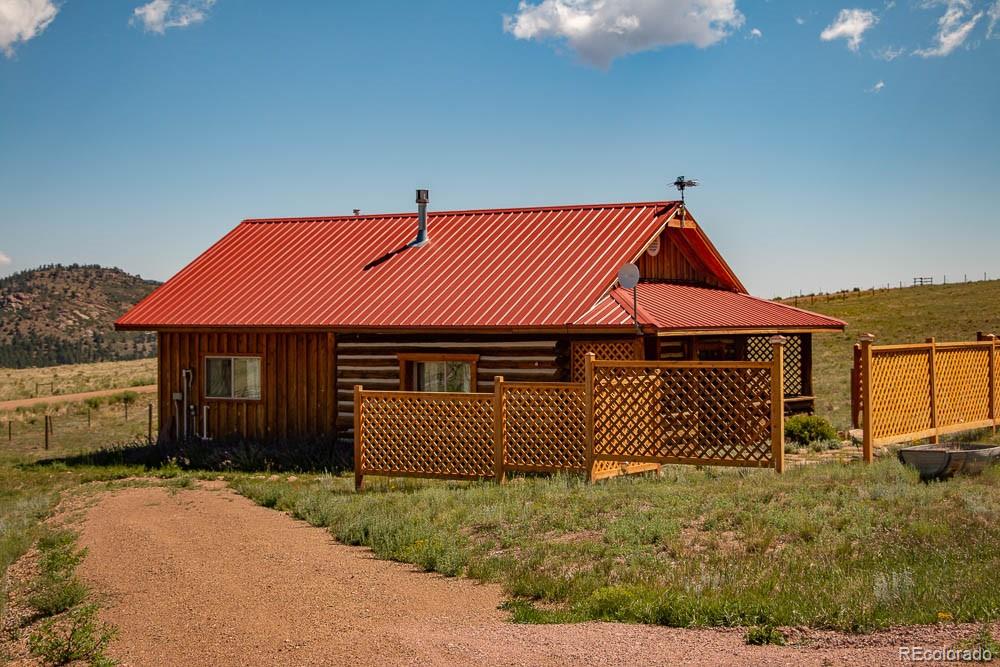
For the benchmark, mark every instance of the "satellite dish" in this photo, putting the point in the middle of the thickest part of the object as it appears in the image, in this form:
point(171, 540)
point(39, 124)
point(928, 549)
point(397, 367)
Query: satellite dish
point(628, 276)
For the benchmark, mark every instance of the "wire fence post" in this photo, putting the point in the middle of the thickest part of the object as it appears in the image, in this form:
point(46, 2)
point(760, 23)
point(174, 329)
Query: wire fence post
point(46, 431)
point(149, 424)
point(10, 430)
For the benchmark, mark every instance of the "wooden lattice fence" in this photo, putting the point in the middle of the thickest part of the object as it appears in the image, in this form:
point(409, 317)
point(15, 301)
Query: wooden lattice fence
point(685, 412)
point(902, 393)
point(626, 417)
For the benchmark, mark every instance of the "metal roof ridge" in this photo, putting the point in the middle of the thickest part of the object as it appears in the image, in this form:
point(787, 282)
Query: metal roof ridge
point(471, 211)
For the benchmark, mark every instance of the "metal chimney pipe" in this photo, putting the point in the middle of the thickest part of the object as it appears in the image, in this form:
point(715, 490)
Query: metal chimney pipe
point(423, 196)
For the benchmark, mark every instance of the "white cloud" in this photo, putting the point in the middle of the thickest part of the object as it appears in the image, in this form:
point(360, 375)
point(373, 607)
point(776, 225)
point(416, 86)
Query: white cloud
point(994, 15)
point(4, 259)
point(601, 30)
point(889, 53)
point(756, 33)
point(851, 24)
point(954, 27)
point(20, 20)
point(159, 15)
point(877, 88)
point(800, 20)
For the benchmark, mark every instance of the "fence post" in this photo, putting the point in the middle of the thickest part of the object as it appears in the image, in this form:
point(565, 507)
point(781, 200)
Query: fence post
point(932, 370)
point(778, 402)
point(855, 393)
point(359, 478)
point(992, 370)
point(46, 431)
point(499, 417)
point(10, 430)
point(149, 425)
point(588, 394)
point(868, 434)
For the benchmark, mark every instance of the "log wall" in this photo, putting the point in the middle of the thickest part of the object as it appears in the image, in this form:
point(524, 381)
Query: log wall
point(371, 360)
point(297, 371)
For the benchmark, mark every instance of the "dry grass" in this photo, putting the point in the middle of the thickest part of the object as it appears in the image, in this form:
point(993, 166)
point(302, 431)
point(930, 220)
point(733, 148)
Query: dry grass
point(71, 379)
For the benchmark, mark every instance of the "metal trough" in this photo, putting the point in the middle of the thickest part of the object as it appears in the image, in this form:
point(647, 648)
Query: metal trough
point(943, 461)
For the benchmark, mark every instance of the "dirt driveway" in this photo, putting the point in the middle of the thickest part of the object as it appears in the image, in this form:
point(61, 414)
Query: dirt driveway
point(66, 398)
point(204, 576)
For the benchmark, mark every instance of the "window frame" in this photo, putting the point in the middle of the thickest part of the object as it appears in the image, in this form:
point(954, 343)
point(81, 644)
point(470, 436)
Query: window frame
point(230, 355)
point(408, 359)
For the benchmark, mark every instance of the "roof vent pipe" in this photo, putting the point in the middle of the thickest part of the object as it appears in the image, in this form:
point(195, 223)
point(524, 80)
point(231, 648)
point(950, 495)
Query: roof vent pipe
point(423, 196)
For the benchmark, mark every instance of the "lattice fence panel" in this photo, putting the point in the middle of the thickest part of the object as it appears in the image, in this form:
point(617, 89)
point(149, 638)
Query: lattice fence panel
point(759, 348)
point(610, 350)
point(962, 381)
point(544, 427)
point(900, 392)
point(439, 435)
point(711, 414)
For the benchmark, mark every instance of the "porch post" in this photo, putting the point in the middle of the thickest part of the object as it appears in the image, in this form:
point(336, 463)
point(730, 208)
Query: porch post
point(778, 402)
point(588, 393)
point(359, 478)
point(499, 417)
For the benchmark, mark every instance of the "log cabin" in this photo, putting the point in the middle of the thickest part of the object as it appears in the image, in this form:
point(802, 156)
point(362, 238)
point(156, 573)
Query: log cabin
point(264, 335)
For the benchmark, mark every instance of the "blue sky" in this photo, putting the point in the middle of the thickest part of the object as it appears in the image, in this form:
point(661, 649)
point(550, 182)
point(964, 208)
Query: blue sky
point(136, 139)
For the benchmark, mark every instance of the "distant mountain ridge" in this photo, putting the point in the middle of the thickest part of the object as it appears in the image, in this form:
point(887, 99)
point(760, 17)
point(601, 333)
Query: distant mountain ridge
point(59, 314)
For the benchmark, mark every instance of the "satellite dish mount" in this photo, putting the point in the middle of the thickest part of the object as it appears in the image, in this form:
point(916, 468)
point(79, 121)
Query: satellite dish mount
point(628, 278)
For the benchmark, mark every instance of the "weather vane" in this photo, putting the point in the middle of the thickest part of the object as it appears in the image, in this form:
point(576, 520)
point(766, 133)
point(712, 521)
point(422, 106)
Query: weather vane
point(683, 184)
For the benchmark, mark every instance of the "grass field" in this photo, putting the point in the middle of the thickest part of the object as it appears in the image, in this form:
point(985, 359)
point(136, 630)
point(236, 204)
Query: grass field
point(909, 315)
point(846, 547)
point(71, 379)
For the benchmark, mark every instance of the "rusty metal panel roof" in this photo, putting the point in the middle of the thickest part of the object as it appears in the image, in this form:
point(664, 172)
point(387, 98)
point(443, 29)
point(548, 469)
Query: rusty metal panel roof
point(670, 306)
point(528, 267)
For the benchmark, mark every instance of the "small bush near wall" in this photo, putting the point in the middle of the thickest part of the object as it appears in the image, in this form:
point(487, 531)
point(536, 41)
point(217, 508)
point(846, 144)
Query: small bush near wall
point(806, 429)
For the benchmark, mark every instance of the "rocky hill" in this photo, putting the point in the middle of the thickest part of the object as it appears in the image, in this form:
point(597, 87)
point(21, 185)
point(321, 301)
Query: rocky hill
point(65, 314)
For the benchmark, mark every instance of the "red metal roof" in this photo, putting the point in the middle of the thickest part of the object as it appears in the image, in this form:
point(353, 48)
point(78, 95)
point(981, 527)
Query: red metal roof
point(669, 306)
point(530, 267)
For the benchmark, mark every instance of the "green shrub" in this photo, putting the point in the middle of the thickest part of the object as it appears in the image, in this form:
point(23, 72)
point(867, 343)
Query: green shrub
point(764, 635)
point(93, 402)
point(77, 635)
point(57, 588)
point(806, 429)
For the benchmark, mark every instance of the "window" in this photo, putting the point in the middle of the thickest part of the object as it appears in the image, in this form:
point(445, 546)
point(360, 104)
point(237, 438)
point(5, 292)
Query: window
point(441, 372)
point(233, 378)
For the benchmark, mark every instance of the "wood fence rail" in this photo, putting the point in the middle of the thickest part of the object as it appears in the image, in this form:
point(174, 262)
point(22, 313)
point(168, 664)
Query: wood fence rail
point(902, 393)
point(625, 417)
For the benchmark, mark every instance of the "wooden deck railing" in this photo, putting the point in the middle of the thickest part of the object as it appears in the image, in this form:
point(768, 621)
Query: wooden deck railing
point(902, 393)
point(626, 417)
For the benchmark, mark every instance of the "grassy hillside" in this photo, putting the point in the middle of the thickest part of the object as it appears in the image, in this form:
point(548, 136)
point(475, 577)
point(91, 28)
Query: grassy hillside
point(16, 383)
point(908, 315)
point(65, 314)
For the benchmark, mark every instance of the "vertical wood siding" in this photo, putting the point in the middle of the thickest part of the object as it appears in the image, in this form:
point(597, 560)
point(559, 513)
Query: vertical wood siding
point(297, 390)
point(675, 261)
